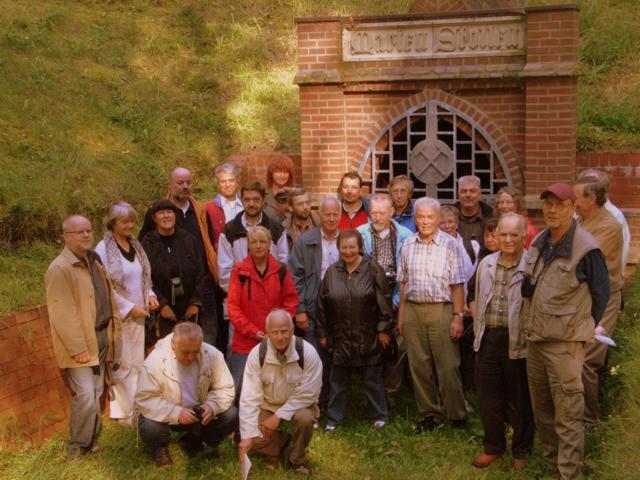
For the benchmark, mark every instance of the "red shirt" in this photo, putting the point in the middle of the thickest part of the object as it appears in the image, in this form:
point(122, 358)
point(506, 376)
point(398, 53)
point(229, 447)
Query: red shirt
point(360, 218)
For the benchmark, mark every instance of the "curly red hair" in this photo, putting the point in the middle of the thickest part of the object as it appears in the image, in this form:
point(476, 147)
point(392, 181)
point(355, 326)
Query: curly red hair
point(280, 162)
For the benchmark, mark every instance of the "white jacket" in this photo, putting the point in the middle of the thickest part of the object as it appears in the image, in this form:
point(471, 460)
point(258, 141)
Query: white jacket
point(282, 389)
point(158, 396)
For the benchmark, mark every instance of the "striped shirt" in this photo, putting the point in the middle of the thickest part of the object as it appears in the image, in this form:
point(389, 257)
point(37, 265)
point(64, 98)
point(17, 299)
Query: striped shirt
point(429, 268)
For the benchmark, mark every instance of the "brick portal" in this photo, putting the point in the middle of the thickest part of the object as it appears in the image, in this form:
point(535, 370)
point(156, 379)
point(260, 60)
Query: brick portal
point(510, 72)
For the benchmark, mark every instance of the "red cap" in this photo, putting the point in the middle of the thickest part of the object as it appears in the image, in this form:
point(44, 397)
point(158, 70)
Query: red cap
point(562, 190)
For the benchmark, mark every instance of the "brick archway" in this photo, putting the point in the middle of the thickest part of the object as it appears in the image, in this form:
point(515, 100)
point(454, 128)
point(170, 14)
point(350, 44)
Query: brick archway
point(500, 142)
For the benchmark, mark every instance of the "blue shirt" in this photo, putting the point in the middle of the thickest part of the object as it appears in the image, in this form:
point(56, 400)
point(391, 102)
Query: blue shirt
point(406, 218)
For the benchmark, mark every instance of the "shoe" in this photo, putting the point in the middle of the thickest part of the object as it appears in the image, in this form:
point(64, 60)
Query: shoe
point(379, 424)
point(162, 457)
point(518, 463)
point(460, 424)
point(301, 469)
point(329, 428)
point(95, 448)
point(427, 424)
point(483, 460)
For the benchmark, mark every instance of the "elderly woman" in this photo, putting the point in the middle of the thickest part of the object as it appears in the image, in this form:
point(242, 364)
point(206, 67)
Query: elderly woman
point(126, 264)
point(176, 268)
point(258, 284)
point(354, 322)
point(509, 199)
point(279, 177)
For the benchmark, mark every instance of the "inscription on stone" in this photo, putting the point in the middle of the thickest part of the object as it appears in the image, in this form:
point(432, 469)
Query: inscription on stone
point(464, 37)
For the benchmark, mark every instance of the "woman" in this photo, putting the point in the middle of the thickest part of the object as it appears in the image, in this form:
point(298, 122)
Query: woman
point(176, 268)
point(354, 321)
point(510, 199)
point(279, 177)
point(126, 263)
point(258, 284)
point(449, 224)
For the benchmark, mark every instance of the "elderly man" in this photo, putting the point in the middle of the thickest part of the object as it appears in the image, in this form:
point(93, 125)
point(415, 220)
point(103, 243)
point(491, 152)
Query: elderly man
point(604, 179)
point(565, 291)
point(192, 217)
point(85, 329)
point(472, 212)
point(185, 386)
point(401, 191)
point(226, 204)
point(431, 277)
point(501, 350)
point(281, 382)
point(301, 218)
point(232, 246)
point(383, 239)
point(355, 209)
point(598, 221)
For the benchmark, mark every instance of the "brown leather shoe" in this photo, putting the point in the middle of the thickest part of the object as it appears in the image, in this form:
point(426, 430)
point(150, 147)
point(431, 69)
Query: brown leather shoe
point(518, 463)
point(162, 457)
point(483, 460)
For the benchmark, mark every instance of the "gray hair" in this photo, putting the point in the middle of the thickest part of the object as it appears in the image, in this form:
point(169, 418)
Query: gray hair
point(427, 202)
point(117, 210)
point(381, 197)
point(603, 177)
point(328, 200)
point(469, 178)
point(592, 185)
point(275, 313)
point(188, 330)
point(227, 167)
point(522, 222)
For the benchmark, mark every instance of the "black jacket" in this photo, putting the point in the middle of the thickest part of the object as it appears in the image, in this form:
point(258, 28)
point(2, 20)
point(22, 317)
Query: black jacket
point(352, 309)
point(175, 256)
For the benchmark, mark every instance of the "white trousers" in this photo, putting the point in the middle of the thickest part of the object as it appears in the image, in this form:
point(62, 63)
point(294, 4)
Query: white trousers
point(126, 377)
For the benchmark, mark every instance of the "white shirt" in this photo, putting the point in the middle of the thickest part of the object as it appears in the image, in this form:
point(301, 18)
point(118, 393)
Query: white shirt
point(231, 208)
point(626, 233)
point(330, 254)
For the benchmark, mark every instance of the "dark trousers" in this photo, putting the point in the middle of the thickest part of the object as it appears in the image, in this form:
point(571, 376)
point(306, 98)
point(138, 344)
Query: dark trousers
point(467, 355)
point(208, 316)
point(222, 337)
point(156, 435)
point(237, 362)
point(503, 395)
point(340, 381)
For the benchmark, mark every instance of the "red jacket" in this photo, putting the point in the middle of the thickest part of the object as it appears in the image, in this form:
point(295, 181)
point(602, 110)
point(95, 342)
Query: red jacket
point(216, 219)
point(251, 298)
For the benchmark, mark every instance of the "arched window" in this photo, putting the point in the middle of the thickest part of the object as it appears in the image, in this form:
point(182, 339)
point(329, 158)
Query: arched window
point(435, 144)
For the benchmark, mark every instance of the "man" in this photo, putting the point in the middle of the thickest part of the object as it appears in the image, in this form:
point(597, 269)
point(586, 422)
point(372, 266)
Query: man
point(354, 208)
point(226, 204)
point(401, 191)
point(383, 239)
point(501, 350)
point(301, 218)
point(604, 179)
point(85, 330)
point(565, 290)
point(598, 221)
point(294, 373)
point(472, 212)
point(232, 246)
point(313, 253)
point(431, 277)
point(184, 386)
point(192, 217)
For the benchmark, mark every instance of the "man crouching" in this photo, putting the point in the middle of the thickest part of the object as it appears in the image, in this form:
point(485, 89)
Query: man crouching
point(281, 381)
point(184, 386)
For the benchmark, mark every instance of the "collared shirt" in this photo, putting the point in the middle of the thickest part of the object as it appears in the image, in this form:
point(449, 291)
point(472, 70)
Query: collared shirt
point(384, 248)
point(231, 208)
point(247, 226)
point(330, 254)
point(497, 312)
point(428, 269)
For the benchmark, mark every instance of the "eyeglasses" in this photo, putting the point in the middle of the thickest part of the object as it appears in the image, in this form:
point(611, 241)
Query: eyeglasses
point(79, 232)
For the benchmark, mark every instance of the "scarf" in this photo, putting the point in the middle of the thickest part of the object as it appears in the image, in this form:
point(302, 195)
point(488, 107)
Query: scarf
point(113, 264)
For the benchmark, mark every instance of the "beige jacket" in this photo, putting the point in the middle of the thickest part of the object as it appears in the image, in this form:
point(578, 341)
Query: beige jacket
point(158, 396)
point(72, 312)
point(280, 388)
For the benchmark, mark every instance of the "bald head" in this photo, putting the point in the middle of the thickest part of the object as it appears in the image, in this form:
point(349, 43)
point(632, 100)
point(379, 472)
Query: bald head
point(180, 185)
point(330, 212)
point(279, 326)
point(77, 234)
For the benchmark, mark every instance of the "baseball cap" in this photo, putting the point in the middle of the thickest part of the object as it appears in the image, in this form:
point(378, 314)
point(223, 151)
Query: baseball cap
point(562, 190)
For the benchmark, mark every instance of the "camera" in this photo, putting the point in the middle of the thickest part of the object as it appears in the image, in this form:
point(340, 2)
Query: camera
point(199, 412)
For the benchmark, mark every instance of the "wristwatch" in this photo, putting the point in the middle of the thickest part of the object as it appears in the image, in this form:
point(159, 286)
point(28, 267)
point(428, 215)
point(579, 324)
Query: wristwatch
point(458, 314)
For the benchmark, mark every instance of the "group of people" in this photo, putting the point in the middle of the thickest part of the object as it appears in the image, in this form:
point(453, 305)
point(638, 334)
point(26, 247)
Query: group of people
point(252, 310)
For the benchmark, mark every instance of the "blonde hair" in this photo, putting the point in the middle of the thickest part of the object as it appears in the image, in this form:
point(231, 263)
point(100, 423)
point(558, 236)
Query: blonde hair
point(117, 210)
point(259, 232)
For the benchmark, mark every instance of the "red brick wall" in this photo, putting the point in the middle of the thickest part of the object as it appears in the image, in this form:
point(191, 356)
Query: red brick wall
point(34, 402)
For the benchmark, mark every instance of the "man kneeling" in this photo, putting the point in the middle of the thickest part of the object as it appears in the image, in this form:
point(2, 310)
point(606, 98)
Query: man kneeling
point(281, 381)
point(184, 386)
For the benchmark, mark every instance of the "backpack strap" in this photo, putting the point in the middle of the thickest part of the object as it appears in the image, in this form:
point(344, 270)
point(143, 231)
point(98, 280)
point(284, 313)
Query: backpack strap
point(282, 273)
point(262, 351)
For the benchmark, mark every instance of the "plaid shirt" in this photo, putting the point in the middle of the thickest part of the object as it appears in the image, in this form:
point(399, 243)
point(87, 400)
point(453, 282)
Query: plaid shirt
point(429, 268)
point(384, 249)
point(497, 313)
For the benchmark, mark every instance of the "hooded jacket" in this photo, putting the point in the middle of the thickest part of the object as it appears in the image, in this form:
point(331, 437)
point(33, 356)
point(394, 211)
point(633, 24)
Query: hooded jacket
point(251, 298)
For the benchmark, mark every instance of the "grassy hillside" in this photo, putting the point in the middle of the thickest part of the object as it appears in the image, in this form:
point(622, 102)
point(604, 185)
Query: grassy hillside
point(99, 99)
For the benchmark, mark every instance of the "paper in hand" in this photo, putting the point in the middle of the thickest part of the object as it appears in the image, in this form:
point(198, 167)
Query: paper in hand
point(246, 466)
point(606, 340)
